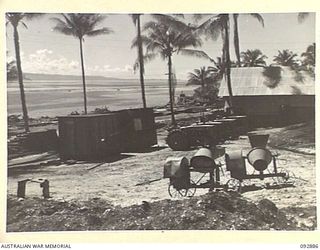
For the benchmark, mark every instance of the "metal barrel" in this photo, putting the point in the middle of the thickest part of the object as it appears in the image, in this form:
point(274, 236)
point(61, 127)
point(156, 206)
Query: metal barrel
point(203, 160)
point(258, 140)
point(21, 192)
point(175, 167)
point(259, 158)
point(235, 163)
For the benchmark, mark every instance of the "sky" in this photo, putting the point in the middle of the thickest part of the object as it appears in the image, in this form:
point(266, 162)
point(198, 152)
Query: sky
point(46, 51)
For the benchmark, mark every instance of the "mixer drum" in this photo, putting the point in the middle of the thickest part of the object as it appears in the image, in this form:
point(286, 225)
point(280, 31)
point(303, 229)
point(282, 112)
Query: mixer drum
point(235, 163)
point(203, 161)
point(259, 158)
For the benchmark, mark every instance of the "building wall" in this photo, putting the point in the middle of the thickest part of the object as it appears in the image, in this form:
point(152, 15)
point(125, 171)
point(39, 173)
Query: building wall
point(275, 110)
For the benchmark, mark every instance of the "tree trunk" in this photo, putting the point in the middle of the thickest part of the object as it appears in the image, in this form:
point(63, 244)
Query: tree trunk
point(236, 39)
point(83, 78)
point(20, 79)
point(173, 120)
point(141, 64)
point(227, 58)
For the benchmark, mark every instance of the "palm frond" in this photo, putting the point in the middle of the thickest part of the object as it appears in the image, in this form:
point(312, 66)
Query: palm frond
point(195, 53)
point(24, 24)
point(102, 31)
point(258, 17)
point(31, 16)
point(302, 16)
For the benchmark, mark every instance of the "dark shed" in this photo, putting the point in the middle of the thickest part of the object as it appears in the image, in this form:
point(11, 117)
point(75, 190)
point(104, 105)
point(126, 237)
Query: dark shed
point(97, 136)
point(138, 129)
point(88, 137)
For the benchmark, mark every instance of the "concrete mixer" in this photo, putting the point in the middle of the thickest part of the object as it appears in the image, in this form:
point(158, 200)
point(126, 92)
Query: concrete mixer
point(263, 161)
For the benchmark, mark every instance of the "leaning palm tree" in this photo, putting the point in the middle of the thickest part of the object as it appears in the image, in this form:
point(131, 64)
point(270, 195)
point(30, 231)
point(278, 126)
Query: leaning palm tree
point(253, 58)
point(79, 26)
point(213, 27)
point(236, 33)
point(15, 19)
point(165, 39)
point(136, 21)
point(286, 58)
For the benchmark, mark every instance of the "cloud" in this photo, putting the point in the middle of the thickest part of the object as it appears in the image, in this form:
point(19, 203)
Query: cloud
point(45, 61)
point(108, 69)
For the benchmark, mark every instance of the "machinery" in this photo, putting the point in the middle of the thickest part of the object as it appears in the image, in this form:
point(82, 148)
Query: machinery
point(259, 158)
point(207, 133)
point(203, 172)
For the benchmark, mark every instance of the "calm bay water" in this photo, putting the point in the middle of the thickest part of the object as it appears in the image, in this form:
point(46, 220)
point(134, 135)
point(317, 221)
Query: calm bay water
point(52, 98)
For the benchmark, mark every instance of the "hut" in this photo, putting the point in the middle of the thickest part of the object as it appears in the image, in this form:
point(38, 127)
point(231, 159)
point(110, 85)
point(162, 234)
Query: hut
point(271, 95)
point(98, 136)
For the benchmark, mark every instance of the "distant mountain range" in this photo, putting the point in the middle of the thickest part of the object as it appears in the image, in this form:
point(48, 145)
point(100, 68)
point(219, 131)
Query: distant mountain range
point(35, 76)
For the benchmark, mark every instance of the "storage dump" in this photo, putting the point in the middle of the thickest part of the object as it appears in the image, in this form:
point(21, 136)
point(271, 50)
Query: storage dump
point(89, 137)
point(97, 136)
point(138, 129)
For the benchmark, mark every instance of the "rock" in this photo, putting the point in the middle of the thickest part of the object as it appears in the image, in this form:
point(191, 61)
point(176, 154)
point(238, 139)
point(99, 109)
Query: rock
point(106, 211)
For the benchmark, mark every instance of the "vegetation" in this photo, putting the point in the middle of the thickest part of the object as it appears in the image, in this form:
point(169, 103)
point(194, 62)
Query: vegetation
point(214, 27)
point(165, 37)
point(202, 76)
point(236, 33)
point(79, 26)
point(16, 19)
point(140, 63)
point(309, 59)
point(253, 58)
point(12, 72)
point(286, 58)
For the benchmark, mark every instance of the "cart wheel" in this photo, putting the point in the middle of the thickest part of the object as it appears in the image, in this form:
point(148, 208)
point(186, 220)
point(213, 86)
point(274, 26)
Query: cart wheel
point(192, 189)
point(289, 177)
point(177, 140)
point(234, 184)
point(179, 193)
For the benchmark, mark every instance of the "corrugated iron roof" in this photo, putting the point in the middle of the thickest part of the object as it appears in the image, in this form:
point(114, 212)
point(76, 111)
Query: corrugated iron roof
point(256, 81)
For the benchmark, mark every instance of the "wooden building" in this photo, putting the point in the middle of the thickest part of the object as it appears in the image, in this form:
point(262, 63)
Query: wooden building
point(98, 136)
point(271, 95)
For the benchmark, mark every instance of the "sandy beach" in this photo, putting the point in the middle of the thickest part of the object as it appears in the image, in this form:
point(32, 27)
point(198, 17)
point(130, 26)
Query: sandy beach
point(53, 98)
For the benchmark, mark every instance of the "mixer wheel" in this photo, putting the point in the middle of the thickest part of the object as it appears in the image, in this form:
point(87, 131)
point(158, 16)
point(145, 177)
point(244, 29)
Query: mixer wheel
point(289, 177)
point(234, 185)
point(183, 192)
point(177, 140)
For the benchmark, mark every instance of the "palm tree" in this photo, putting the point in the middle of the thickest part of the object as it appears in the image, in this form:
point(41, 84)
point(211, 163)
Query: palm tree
point(164, 39)
point(202, 76)
point(79, 26)
point(15, 19)
point(309, 57)
point(213, 27)
point(286, 58)
point(12, 72)
point(253, 58)
point(206, 77)
point(236, 33)
point(136, 21)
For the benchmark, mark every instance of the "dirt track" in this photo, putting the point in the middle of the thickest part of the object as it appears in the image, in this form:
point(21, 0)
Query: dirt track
point(125, 181)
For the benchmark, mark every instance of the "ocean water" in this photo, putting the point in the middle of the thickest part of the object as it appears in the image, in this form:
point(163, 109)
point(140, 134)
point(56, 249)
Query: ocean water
point(61, 97)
